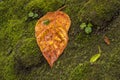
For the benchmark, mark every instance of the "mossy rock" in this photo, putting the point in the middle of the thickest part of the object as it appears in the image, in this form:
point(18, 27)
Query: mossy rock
point(99, 12)
point(27, 53)
point(107, 67)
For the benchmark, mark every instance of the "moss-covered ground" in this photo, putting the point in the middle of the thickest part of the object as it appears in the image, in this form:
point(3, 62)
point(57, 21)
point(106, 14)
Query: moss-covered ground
point(21, 59)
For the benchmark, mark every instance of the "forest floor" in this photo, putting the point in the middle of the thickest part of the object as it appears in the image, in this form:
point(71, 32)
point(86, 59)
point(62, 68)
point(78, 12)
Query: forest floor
point(21, 58)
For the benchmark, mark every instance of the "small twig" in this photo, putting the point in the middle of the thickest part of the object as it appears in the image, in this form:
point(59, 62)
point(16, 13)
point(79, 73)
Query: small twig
point(61, 8)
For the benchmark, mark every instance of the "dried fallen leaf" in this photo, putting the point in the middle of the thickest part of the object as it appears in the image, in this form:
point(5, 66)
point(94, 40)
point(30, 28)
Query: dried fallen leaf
point(106, 39)
point(51, 32)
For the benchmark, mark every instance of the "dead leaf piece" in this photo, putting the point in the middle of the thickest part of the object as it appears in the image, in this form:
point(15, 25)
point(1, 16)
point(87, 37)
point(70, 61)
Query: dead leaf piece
point(51, 32)
point(106, 39)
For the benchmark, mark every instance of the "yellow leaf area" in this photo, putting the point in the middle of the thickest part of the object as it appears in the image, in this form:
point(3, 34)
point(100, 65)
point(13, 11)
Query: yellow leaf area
point(51, 32)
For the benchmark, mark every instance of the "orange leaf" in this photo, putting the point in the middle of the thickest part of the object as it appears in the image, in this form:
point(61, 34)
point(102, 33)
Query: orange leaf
point(106, 39)
point(51, 33)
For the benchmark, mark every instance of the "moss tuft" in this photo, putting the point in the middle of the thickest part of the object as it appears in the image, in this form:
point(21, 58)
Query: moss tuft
point(27, 53)
point(44, 5)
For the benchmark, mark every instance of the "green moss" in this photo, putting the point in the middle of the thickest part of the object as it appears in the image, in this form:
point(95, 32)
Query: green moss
point(8, 73)
point(6, 67)
point(77, 73)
